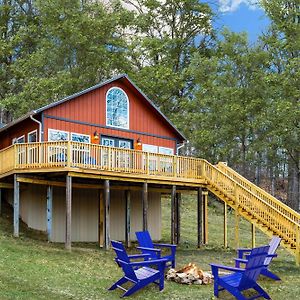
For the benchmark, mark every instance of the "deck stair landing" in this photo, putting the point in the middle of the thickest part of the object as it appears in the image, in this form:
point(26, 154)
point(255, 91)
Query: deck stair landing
point(254, 204)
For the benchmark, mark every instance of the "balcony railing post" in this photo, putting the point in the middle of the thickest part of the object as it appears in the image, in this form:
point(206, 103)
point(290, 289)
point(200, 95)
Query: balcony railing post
point(297, 244)
point(69, 154)
point(175, 166)
point(147, 163)
point(15, 156)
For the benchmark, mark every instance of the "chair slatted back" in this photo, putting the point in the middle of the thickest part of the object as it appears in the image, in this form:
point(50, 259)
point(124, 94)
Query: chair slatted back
point(274, 244)
point(144, 240)
point(254, 265)
point(123, 259)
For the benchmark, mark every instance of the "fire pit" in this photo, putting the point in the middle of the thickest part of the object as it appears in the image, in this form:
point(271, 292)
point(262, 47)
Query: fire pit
point(190, 274)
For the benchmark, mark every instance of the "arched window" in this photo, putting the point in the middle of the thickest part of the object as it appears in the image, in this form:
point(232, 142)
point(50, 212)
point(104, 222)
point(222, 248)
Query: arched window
point(117, 108)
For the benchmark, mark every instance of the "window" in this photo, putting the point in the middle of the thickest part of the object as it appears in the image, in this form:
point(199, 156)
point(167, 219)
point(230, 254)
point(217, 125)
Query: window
point(150, 148)
point(81, 138)
point(57, 135)
point(32, 136)
point(165, 150)
point(117, 108)
point(108, 142)
point(125, 144)
point(19, 140)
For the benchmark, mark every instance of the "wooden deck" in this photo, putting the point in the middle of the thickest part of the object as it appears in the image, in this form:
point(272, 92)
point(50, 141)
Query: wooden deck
point(91, 161)
point(100, 162)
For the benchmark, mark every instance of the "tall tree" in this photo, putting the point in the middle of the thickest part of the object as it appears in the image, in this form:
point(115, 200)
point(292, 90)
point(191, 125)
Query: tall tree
point(283, 43)
point(227, 113)
point(77, 44)
point(165, 35)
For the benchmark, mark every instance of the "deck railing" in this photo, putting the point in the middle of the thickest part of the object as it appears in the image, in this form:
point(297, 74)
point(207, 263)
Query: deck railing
point(97, 157)
point(286, 210)
point(279, 220)
point(244, 195)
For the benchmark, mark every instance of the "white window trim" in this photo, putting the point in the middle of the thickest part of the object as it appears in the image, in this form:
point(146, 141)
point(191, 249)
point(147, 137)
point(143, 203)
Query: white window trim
point(162, 149)
point(31, 132)
point(112, 88)
point(82, 135)
point(109, 139)
point(150, 148)
point(51, 129)
point(18, 138)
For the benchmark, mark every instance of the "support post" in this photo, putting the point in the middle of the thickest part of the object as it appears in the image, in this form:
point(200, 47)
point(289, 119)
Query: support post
point(225, 226)
point(236, 229)
point(253, 235)
point(49, 211)
point(0, 202)
point(177, 218)
point(145, 206)
point(199, 217)
point(205, 216)
point(297, 244)
point(127, 218)
point(173, 196)
point(16, 205)
point(68, 212)
point(101, 228)
point(106, 214)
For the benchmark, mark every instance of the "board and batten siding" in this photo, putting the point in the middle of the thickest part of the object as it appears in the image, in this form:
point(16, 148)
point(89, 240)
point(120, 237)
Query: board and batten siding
point(85, 210)
point(90, 109)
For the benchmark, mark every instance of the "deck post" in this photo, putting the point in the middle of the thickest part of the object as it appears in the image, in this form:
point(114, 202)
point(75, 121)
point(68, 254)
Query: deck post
point(253, 235)
point(127, 218)
point(49, 211)
point(173, 200)
point(68, 212)
point(145, 206)
point(225, 226)
point(101, 228)
point(16, 205)
point(106, 214)
point(199, 217)
point(0, 202)
point(236, 229)
point(177, 217)
point(297, 244)
point(205, 216)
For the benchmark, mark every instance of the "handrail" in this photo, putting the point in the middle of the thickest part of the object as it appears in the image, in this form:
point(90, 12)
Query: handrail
point(7, 159)
point(258, 207)
point(259, 192)
point(98, 157)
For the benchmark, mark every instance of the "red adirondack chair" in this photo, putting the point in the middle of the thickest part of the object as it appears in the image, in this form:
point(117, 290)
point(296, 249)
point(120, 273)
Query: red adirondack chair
point(274, 244)
point(242, 279)
point(138, 273)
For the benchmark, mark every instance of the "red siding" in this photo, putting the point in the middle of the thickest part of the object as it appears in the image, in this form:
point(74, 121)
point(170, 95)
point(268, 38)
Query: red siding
point(22, 128)
point(91, 108)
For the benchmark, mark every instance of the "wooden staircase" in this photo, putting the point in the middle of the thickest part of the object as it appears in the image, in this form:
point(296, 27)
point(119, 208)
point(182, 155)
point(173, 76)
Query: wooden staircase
point(263, 210)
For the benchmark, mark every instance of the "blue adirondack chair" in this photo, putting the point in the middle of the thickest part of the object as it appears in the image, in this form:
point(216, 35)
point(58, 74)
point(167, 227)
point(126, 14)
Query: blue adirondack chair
point(148, 247)
point(138, 273)
point(274, 244)
point(242, 279)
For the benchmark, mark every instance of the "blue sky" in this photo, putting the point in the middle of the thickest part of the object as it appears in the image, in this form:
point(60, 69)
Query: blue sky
point(242, 15)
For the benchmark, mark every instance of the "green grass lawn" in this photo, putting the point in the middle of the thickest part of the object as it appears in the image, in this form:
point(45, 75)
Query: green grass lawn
point(31, 268)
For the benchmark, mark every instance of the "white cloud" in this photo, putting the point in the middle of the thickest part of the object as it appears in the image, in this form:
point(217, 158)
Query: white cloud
point(232, 5)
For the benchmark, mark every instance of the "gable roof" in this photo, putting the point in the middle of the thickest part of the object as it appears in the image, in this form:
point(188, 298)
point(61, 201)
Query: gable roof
point(68, 98)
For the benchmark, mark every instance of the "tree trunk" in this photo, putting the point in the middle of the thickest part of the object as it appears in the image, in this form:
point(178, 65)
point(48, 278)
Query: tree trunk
point(294, 180)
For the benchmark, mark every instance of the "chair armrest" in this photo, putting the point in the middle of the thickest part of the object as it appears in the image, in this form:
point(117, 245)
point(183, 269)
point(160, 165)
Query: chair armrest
point(238, 261)
point(134, 256)
point(165, 245)
point(161, 261)
point(272, 255)
point(242, 251)
point(228, 268)
point(149, 249)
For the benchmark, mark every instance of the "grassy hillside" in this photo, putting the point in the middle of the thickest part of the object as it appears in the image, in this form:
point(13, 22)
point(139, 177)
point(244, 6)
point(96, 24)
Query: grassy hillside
point(31, 268)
